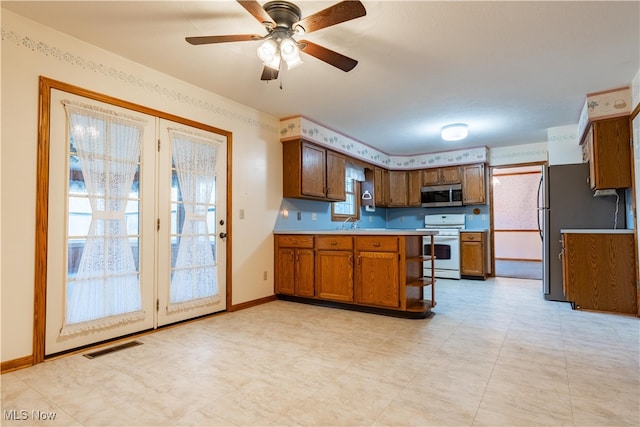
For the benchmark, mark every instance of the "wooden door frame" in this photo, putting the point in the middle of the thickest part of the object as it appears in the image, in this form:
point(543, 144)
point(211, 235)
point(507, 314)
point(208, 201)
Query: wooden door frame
point(492, 248)
point(42, 194)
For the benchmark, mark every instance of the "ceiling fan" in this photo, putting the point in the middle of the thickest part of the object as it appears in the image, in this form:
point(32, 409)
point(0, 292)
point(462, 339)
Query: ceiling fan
point(282, 20)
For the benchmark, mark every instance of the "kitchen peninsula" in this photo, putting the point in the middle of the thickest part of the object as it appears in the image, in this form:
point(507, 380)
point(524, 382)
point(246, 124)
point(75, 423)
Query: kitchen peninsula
point(373, 270)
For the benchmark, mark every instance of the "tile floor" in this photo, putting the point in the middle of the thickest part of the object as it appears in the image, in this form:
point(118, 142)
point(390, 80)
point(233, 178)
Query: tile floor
point(494, 354)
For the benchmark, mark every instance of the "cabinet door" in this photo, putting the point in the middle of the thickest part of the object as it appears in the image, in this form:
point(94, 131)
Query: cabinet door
point(611, 154)
point(599, 271)
point(335, 176)
point(430, 177)
point(285, 271)
point(379, 177)
point(335, 275)
point(377, 280)
point(398, 188)
point(413, 190)
point(304, 273)
point(472, 258)
point(473, 185)
point(450, 175)
point(313, 173)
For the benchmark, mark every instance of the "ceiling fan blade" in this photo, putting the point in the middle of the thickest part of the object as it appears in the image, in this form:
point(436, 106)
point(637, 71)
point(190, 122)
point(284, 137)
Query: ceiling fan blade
point(269, 73)
point(258, 12)
point(339, 12)
point(329, 56)
point(222, 39)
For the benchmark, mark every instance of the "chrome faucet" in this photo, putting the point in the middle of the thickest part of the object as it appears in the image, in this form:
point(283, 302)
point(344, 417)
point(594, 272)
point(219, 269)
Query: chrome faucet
point(355, 223)
point(344, 223)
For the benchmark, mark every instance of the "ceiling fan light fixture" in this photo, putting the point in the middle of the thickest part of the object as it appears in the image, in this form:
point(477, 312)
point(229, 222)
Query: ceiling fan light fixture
point(290, 52)
point(267, 51)
point(454, 132)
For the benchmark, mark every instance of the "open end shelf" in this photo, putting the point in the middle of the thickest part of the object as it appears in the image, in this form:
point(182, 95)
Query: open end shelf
point(421, 305)
point(420, 281)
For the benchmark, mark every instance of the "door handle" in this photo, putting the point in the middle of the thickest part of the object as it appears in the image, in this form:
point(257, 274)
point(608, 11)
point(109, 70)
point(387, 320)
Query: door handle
point(223, 235)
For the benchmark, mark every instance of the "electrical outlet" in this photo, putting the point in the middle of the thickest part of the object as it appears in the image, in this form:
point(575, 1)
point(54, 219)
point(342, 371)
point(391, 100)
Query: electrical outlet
point(264, 275)
point(470, 217)
point(241, 213)
point(370, 219)
point(484, 217)
point(401, 219)
point(314, 216)
point(299, 215)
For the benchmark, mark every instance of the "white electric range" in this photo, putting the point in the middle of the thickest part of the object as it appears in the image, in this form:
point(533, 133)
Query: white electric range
point(446, 244)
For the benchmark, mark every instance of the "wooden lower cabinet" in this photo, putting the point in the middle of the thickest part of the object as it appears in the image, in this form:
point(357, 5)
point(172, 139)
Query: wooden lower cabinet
point(295, 265)
point(334, 268)
point(473, 254)
point(377, 279)
point(382, 272)
point(599, 271)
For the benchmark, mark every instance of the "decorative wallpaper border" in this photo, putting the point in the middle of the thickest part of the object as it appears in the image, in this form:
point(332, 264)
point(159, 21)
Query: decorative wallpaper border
point(301, 127)
point(528, 153)
point(602, 105)
point(45, 49)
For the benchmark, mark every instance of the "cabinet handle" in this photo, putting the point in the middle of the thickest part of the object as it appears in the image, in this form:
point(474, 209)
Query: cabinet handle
point(333, 242)
point(358, 259)
point(376, 244)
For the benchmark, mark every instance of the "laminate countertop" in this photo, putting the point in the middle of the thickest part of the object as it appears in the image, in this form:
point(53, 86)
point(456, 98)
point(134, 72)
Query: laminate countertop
point(596, 231)
point(364, 232)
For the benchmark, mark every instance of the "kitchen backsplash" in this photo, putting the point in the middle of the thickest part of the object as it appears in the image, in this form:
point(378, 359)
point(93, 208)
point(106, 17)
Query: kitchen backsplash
point(299, 214)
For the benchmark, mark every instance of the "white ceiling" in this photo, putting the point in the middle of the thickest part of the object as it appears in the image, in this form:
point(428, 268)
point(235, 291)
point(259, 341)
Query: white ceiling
point(508, 69)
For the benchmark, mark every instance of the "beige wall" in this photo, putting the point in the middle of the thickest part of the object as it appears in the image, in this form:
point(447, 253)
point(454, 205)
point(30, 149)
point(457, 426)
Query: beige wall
point(30, 50)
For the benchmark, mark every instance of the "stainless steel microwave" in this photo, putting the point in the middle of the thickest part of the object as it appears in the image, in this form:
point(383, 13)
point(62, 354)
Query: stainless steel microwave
point(441, 195)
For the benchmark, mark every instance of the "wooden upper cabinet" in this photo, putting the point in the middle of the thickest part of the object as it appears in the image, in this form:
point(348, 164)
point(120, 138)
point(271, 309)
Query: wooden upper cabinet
point(336, 164)
point(607, 148)
point(439, 176)
point(473, 185)
point(431, 177)
point(381, 186)
point(450, 175)
point(413, 189)
point(398, 188)
point(312, 172)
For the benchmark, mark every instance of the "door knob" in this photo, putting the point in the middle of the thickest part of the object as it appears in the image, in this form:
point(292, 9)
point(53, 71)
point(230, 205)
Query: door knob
point(223, 235)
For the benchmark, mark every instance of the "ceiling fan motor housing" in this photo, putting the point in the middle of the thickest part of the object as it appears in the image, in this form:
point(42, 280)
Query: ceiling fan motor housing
point(284, 14)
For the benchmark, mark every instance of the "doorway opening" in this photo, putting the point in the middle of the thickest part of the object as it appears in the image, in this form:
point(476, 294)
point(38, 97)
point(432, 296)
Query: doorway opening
point(517, 233)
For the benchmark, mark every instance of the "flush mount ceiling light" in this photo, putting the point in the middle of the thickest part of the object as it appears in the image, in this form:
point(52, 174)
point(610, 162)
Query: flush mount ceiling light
point(454, 132)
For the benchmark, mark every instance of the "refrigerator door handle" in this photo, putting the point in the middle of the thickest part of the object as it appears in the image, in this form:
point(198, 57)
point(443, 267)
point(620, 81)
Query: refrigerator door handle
point(540, 208)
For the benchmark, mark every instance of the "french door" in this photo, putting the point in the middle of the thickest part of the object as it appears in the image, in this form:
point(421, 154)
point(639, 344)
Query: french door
point(136, 208)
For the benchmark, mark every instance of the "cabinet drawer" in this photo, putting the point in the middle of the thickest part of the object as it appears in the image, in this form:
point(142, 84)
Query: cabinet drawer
point(295, 241)
point(377, 243)
point(335, 242)
point(471, 237)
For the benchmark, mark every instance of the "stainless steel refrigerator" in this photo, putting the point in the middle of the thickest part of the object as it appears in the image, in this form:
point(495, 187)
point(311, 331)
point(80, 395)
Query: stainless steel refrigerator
point(565, 200)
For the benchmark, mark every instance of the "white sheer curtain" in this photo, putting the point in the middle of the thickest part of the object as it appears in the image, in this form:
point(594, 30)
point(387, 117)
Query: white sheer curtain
point(106, 290)
point(194, 280)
